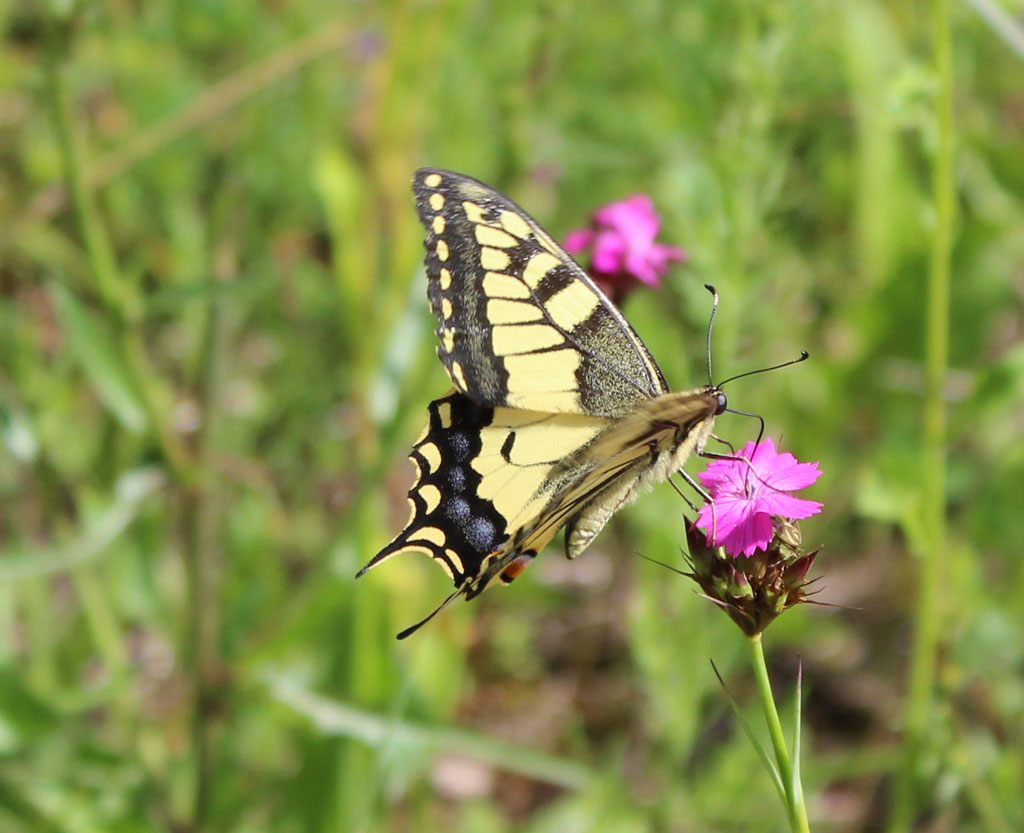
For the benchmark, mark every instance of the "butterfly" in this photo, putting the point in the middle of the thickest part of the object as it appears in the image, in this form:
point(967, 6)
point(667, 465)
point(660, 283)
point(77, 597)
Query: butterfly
point(559, 413)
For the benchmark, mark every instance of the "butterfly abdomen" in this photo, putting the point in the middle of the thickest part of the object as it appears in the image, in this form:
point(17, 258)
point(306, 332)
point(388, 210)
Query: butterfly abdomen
point(670, 428)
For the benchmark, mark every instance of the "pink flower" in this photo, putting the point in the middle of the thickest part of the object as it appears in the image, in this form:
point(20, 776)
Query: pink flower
point(747, 492)
point(621, 240)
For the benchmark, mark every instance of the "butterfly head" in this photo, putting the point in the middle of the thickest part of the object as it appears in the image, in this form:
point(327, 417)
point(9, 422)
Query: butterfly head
point(721, 403)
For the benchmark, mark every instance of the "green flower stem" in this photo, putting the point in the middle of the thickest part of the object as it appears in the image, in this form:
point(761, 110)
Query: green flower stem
point(796, 809)
point(933, 561)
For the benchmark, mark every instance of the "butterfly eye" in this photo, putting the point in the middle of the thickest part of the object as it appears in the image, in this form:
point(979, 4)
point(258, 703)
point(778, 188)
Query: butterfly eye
point(720, 403)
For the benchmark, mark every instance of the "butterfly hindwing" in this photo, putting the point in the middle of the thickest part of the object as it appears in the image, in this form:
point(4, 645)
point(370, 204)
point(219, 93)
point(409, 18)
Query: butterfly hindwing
point(520, 324)
point(449, 520)
point(484, 477)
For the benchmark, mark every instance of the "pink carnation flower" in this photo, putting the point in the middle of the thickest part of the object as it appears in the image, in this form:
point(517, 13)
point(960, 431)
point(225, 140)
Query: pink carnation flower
point(621, 243)
point(747, 492)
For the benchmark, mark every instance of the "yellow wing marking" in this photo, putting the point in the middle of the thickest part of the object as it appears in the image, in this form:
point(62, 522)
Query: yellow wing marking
point(458, 376)
point(431, 496)
point(555, 401)
point(494, 259)
point(538, 267)
point(425, 551)
point(455, 559)
point(500, 285)
point(432, 534)
point(519, 450)
point(514, 224)
point(501, 311)
point(572, 306)
point(474, 212)
point(554, 370)
point(432, 455)
point(523, 338)
point(489, 236)
point(444, 413)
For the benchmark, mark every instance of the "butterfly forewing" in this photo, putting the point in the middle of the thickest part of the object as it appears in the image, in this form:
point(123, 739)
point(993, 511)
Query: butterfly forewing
point(520, 324)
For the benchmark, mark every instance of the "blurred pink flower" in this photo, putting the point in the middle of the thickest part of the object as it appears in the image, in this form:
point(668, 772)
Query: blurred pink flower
point(747, 492)
point(621, 242)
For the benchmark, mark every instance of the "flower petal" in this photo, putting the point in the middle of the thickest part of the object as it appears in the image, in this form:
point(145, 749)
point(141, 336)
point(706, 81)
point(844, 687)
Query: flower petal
point(634, 218)
point(578, 240)
point(748, 490)
point(721, 517)
point(750, 537)
point(789, 475)
point(721, 474)
point(787, 506)
point(637, 264)
point(621, 241)
point(609, 251)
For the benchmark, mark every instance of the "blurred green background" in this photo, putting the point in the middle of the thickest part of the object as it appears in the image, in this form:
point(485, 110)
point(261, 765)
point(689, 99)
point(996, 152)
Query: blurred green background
point(215, 352)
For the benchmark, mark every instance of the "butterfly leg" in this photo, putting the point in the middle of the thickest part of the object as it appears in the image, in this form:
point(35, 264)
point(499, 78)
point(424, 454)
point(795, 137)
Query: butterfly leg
point(726, 443)
point(696, 487)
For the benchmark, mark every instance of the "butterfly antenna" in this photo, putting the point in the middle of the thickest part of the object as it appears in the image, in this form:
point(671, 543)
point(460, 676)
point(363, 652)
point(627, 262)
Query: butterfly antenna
point(733, 456)
point(760, 431)
point(711, 321)
point(411, 630)
point(804, 356)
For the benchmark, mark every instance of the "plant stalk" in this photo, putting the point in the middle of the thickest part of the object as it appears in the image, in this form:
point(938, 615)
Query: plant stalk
point(932, 563)
point(796, 808)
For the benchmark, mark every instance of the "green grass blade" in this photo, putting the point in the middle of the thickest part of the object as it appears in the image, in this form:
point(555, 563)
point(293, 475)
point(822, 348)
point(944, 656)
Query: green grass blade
point(762, 753)
point(93, 348)
point(333, 718)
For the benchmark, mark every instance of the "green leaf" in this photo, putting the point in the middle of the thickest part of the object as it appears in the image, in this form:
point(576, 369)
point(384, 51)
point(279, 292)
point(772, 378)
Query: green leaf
point(335, 718)
point(93, 347)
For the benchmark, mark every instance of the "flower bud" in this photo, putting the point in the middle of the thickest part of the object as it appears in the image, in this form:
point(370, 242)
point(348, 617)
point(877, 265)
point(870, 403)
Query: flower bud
point(752, 590)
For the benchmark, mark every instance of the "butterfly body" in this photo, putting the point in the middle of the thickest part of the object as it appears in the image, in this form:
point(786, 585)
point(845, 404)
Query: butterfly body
point(559, 414)
point(670, 428)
